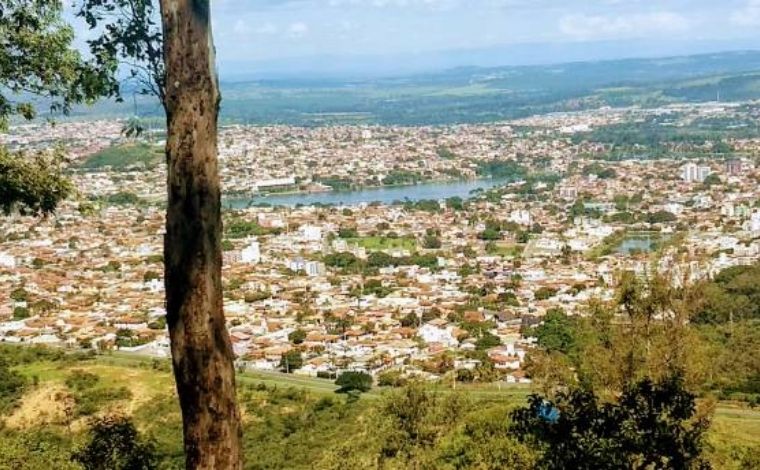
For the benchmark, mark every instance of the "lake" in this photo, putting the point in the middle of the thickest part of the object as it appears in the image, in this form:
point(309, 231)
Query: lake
point(385, 195)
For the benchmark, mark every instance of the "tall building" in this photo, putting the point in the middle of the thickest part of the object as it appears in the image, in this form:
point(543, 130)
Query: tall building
point(734, 167)
point(568, 192)
point(693, 173)
point(314, 268)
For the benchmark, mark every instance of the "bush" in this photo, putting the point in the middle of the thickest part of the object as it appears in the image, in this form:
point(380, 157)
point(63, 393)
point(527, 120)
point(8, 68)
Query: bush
point(20, 313)
point(12, 385)
point(391, 378)
point(80, 380)
point(94, 400)
point(115, 444)
point(354, 381)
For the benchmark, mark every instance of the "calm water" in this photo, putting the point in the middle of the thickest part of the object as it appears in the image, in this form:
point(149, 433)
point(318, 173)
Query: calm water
point(438, 190)
point(641, 241)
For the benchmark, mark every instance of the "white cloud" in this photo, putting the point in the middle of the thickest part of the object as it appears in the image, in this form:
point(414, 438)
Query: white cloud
point(267, 29)
point(243, 28)
point(587, 27)
point(748, 15)
point(433, 4)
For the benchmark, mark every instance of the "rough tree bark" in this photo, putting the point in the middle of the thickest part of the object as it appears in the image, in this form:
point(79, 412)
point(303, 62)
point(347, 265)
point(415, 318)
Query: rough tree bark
point(200, 345)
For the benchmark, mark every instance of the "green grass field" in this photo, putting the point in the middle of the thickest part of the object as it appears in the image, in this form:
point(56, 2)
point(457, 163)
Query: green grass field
point(124, 156)
point(385, 243)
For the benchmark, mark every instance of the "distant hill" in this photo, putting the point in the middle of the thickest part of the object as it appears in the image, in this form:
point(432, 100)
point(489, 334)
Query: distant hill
point(482, 94)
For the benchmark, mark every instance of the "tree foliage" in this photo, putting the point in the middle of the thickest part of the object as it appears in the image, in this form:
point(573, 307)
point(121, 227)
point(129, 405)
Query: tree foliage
point(37, 59)
point(12, 385)
point(114, 444)
point(354, 381)
point(128, 32)
point(651, 425)
point(32, 184)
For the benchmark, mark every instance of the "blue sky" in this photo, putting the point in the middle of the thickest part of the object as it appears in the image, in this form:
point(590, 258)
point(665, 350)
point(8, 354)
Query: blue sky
point(273, 29)
point(281, 33)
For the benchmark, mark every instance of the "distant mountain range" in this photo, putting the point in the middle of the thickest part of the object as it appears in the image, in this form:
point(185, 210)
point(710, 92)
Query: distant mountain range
point(348, 67)
point(483, 94)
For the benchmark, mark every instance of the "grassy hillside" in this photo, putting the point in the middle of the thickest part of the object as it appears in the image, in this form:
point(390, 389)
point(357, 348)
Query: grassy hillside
point(289, 422)
point(124, 156)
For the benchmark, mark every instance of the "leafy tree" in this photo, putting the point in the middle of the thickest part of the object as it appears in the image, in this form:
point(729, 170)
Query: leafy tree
point(115, 444)
point(484, 440)
point(297, 336)
point(711, 180)
point(661, 217)
point(391, 378)
point(490, 234)
point(31, 184)
point(19, 294)
point(354, 381)
point(20, 313)
point(37, 59)
point(487, 341)
point(291, 361)
point(348, 232)
point(556, 332)
point(379, 259)
point(431, 242)
point(410, 320)
point(455, 203)
point(545, 292)
point(445, 153)
point(150, 276)
point(651, 425)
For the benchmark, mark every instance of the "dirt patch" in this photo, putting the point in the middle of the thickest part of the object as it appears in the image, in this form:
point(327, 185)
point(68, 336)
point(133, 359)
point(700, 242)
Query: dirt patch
point(42, 406)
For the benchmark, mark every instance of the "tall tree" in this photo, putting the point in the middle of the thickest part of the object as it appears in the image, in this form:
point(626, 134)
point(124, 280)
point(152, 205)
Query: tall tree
point(176, 63)
point(200, 344)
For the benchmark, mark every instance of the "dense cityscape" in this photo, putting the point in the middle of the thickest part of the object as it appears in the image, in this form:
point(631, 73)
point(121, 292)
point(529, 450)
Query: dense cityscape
point(379, 235)
point(419, 288)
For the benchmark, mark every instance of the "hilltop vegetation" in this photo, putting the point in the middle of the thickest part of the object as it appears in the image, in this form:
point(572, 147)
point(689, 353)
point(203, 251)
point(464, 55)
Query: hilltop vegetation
point(289, 422)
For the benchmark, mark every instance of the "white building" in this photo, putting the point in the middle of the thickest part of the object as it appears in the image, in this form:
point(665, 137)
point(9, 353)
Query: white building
point(274, 183)
point(314, 268)
point(251, 254)
point(433, 334)
point(311, 233)
point(520, 216)
point(693, 173)
point(754, 223)
point(297, 264)
point(7, 261)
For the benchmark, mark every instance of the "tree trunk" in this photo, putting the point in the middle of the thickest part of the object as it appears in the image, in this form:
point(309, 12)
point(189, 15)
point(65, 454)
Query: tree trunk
point(201, 349)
